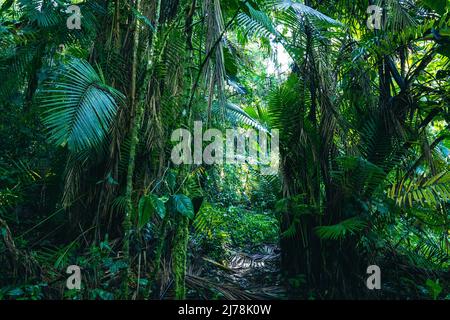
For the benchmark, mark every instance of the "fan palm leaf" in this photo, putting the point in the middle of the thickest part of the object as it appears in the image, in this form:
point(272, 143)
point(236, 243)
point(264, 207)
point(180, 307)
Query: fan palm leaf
point(80, 107)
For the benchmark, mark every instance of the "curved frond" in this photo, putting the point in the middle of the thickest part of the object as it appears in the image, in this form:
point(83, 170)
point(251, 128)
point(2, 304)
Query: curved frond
point(303, 10)
point(243, 116)
point(80, 107)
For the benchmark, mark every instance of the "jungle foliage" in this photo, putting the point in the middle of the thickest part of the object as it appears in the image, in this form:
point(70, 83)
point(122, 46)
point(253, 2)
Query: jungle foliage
point(86, 177)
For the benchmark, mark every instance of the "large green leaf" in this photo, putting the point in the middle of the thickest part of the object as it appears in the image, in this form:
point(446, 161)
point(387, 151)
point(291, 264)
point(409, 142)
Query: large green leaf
point(80, 107)
point(148, 205)
point(183, 205)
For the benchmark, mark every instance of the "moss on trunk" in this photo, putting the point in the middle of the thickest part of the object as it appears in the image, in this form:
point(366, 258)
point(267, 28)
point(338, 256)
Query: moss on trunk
point(179, 257)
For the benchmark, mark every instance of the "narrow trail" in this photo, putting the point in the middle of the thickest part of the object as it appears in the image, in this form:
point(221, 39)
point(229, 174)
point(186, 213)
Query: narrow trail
point(244, 275)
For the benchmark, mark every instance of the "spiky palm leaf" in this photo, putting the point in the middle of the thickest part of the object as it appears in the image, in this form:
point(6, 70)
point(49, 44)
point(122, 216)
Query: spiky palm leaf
point(342, 229)
point(236, 113)
point(43, 13)
point(358, 176)
point(424, 191)
point(80, 107)
point(303, 10)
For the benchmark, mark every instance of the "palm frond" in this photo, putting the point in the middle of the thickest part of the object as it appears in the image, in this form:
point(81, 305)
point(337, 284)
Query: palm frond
point(257, 23)
point(243, 116)
point(424, 191)
point(358, 175)
point(344, 228)
point(303, 10)
point(41, 12)
point(80, 107)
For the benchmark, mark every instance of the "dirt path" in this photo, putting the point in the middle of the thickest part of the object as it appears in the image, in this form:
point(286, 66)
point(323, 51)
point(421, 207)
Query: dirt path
point(246, 275)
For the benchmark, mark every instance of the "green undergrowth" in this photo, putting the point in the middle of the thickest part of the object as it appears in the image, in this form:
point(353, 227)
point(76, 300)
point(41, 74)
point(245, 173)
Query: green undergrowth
point(218, 228)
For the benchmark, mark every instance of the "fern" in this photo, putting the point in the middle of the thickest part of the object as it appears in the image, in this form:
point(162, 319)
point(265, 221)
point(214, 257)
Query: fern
point(204, 222)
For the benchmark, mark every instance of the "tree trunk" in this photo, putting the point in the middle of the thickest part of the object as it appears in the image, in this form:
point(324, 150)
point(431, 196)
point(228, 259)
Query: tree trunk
point(179, 255)
point(136, 111)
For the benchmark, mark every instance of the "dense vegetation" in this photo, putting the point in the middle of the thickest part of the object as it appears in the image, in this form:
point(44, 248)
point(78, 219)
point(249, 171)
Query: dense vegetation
point(87, 178)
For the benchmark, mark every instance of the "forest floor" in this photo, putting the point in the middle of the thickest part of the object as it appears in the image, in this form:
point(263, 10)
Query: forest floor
point(244, 275)
point(248, 269)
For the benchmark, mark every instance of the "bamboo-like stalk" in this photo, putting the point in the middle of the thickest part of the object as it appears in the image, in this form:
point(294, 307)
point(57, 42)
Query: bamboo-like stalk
point(126, 225)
